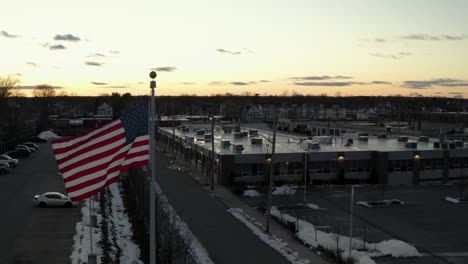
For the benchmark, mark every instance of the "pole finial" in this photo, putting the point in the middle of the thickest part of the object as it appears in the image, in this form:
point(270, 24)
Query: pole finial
point(153, 74)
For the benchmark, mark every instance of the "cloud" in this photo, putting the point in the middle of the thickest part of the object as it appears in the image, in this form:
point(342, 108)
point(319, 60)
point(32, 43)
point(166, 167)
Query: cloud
point(16, 74)
point(216, 83)
point(114, 52)
point(444, 82)
point(397, 56)
point(164, 69)
point(321, 78)
point(67, 37)
point(438, 93)
point(339, 84)
point(6, 35)
point(188, 83)
point(242, 83)
point(99, 83)
point(381, 82)
point(93, 63)
point(57, 47)
point(140, 83)
point(264, 81)
point(117, 86)
point(32, 87)
point(456, 93)
point(30, 63)
point(223, 51)
point(96, 55)
point(434, 37)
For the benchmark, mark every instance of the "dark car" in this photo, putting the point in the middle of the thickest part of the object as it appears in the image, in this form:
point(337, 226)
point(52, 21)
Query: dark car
point(4, 168)
point(38, 139)
point(19, 153)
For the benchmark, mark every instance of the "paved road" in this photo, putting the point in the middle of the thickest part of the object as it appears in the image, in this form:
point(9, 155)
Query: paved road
point(225, 238)
point(37, 234)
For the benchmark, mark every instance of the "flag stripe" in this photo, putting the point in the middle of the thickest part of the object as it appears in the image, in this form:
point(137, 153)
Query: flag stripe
point(80, 140)
point(83, 195)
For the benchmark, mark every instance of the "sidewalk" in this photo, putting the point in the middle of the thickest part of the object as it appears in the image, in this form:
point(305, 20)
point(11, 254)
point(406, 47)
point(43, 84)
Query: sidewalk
point(225, 238)
point(229, 200)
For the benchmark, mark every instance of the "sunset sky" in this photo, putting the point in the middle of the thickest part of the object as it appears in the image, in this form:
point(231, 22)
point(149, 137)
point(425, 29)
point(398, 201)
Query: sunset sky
point(356, 47)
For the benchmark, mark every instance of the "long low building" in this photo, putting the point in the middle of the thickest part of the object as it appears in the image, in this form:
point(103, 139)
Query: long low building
point(243, 156)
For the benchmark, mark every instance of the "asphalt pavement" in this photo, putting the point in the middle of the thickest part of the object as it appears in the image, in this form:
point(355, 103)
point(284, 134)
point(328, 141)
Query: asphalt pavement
point(226, 239)
point(28, 233)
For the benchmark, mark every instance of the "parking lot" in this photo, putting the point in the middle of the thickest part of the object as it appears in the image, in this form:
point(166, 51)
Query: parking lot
point(427, 221)
point(28, 233)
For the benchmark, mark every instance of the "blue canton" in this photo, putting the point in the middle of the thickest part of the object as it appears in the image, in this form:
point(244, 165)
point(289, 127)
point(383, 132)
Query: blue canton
point(135, 122)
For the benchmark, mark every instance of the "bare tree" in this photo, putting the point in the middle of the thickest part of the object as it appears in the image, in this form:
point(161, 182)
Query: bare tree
point(6, 86)
point(44, 90)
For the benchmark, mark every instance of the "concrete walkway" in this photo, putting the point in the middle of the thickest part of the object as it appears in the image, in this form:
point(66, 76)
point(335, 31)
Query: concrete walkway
point(216, 209)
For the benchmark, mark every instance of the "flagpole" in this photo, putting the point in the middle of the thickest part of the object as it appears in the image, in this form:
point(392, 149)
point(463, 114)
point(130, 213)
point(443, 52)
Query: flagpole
point(153, 182)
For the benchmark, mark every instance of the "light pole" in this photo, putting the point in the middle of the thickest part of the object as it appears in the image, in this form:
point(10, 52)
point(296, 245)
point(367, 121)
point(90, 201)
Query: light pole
point(351, 221)
point(212, 152)
point(305, 176)
point(270, 178)
point(153, 170)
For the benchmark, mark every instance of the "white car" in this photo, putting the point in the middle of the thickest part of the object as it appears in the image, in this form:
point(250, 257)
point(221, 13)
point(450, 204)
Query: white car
point(12, 162)
point(31, 150)
point(4, 168)
point(53, 199)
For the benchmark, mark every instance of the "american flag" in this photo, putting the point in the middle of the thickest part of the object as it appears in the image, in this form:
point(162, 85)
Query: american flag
point(91, 161)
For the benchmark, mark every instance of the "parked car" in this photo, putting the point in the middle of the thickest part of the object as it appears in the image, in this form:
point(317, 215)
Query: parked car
point(31, 145)
point(12, 162)
point(38, 139)
point(20, 146)
point(53, 199)
point(4, 168)
point(19, 153)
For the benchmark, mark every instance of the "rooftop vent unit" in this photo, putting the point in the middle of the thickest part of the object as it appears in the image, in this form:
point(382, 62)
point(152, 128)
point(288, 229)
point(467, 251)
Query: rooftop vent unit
point(423, 139)
point(253, 133)
point(237, 129)
point(185, 129)
point(444, 145)
point(402, 139)
point(313, 146)
point(256, 141)
point(364, 138)
point(208, 137)
point(227, 130)
point(244, 134)
point(411, 145)
point(323, 139)
point(382, 136)
point(458, 143)
point(225, 143)
point(237, 135)
point(437, 144)
point(237, 148)
point(200, 132)
point(363, 134)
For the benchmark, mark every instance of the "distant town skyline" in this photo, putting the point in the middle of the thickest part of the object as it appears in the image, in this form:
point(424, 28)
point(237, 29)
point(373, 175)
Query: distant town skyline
point(362, 47)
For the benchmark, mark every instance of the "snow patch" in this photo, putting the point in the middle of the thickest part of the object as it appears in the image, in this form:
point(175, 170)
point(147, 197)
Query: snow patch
point(251, 193)
point(397, 249)
point(274, 242)
point(48, 135)
point(452, 200)
point(284, 190)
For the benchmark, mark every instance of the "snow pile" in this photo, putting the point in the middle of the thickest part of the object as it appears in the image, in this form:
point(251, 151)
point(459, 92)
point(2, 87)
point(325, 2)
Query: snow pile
point(130, 251)
point(48, 135)
point(197, 250)
point(381, 203)
point(82, 240)
point(312, 206)
point(122, 228)
point(396, 249)
point(274, 242)
point(284, 190)
point(251, 193)
point(452, 200)
point(314, 237)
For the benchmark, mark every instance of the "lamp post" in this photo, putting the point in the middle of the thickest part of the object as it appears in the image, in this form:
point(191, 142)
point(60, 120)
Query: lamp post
point(351, 221)
point(212, 152)
point(270, 178)
point(305, 177)
point(152, 177)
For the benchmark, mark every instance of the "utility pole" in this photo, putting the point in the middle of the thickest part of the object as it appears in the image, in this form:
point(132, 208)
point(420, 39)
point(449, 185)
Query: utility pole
point(305, 176)
point(270, 178)
point(351, 221)
point(173, 134)
point(212, 152)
